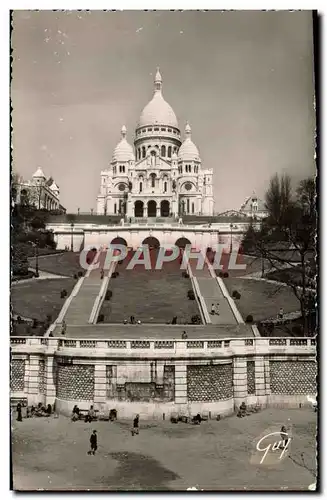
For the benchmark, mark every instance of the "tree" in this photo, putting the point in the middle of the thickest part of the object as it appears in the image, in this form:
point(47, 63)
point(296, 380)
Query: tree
point(287, 238)
point(279, 201)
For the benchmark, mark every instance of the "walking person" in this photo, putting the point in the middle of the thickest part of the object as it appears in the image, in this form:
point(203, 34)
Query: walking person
point(135, 429)
point(285, 437)
point(63, 327)
point(19, 413)
point(184, 335)
point(213, 309)
point(93, 443)
point(102, 273)
point(217, 309)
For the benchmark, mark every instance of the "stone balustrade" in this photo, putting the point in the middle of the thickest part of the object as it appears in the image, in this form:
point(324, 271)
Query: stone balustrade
point(175, 347)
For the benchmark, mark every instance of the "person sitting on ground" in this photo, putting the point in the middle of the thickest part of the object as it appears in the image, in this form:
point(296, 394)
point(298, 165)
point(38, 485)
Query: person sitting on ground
point(125, 321)
point(217, 309)
point(91, 414)
point(132, 320)
point(49, 409)
point(174, 321)
point(242, 410)
point(184, 335)
point(75, 413)
point(197, 419)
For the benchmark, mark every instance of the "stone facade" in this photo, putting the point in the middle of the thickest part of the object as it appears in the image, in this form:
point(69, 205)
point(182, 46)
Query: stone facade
point(17, 374)
point(293, 377)
point(156, 378)
point(209, 383)
point(42, 380)
point(251, 377)
point(75, 382)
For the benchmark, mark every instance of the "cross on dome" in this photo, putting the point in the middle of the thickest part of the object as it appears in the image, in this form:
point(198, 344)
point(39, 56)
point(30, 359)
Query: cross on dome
point(123, 131)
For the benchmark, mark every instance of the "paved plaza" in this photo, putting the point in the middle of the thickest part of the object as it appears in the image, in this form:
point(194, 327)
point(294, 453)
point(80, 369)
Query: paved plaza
point(51, 453)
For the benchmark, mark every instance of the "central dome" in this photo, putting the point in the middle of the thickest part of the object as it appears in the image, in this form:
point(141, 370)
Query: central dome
point(158, 111)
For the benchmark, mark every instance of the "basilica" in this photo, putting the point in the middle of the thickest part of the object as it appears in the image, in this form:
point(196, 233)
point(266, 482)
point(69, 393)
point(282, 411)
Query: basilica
point(161, 175)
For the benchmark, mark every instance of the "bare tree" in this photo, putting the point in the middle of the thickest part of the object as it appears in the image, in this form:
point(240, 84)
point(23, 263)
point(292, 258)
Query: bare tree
point(287, 238)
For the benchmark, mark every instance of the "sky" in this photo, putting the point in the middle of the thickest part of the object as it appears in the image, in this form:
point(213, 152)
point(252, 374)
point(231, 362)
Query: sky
point(244, 80)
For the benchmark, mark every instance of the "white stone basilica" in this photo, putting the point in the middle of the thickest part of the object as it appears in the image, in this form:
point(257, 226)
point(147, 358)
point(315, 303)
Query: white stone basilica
point(161, 176)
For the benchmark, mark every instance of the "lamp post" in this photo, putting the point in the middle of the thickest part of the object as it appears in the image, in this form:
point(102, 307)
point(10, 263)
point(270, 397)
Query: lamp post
point(72, 237)
point(36, 259)
point(231, 238)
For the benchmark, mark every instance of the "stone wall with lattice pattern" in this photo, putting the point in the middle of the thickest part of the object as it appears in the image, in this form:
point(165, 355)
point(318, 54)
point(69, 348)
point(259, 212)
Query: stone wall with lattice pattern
point(293, 377)
point(209, 383)
point(75, 382)
point(17, 375)
point(251, 377)
point(41, 376)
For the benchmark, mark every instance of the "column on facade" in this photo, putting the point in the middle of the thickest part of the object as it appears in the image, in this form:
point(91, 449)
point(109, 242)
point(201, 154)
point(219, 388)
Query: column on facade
point(145, 208)
point(50, 380)
point(259, 371)
point(158, 208)
point(181, 382)
point(100, 384)
point(240, 383)
point(33, 379)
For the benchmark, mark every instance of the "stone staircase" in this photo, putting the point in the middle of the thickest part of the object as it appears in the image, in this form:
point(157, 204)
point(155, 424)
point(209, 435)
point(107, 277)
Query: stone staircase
point(212, 294)
point(81, 306)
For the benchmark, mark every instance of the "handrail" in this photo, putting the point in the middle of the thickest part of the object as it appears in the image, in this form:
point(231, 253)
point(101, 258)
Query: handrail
point(201, 303)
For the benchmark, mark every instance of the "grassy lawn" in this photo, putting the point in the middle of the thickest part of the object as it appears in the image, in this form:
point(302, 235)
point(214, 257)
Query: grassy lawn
point(151, 296)
point(261, 299)
point(51, 454)
point(65, 264)
point(37, 299)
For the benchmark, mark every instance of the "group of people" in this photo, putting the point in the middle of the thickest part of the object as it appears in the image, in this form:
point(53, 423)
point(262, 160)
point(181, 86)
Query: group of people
point(94, 436)
point(32, 411)
point(132, 321)
point(214, 309)
point(76, 414)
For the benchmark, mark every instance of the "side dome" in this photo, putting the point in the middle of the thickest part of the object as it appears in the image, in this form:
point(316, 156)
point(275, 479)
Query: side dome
point(188, 150)
point(123, 151)
point(158, 111)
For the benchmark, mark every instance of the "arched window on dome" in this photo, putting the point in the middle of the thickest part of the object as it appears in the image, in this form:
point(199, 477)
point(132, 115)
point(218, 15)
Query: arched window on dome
point(165, 187)
point(169, 151)
point(141, 186)
point(143, 152)
point(192, 208)
point(163, 151)
point(115, 208)
point(188, 205)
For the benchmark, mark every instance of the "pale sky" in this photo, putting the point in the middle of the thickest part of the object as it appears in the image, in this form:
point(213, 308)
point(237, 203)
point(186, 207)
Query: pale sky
point(244, 81)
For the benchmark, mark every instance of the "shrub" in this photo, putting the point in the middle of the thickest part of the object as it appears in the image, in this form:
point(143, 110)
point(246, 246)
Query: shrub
point(35, 323)
point(115, 274)
point(75, 276)
point(297, 330)
point(234, 293)
point(221, 274)
point(108, 295)
point(249, 318)
point(190, 295)
point(79, 274)
point(185, 275)
point(226, 275)
point(196, 319)
point(101, 318)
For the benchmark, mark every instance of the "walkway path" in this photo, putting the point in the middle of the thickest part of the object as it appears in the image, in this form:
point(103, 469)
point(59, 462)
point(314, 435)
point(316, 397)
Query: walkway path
point(81, 306)
point(42, 276)
point(211, 292)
